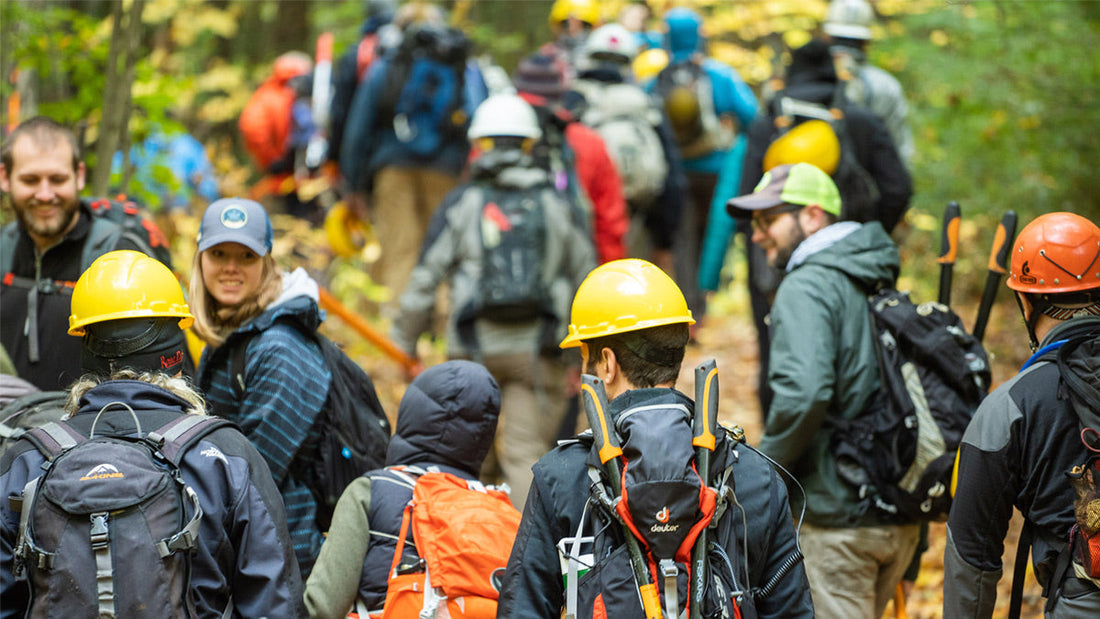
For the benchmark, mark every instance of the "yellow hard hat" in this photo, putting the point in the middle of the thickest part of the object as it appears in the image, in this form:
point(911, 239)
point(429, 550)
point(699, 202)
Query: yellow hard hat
point(346, 233)
point(587, 11)
point(126, 284)
point(625, 295)
point(649, 63)
point(813, 142)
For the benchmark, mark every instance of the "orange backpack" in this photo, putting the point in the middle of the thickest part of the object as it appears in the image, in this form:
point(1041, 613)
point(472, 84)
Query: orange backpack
point(463, 533)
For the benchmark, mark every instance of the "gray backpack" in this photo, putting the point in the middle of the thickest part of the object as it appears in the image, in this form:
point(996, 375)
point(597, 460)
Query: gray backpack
point(108, 529)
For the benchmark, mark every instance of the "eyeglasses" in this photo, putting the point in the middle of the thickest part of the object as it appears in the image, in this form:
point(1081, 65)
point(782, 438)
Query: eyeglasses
point(761, 222)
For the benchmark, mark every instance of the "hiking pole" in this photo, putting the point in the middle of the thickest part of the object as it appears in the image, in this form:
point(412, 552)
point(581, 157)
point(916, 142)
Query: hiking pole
point(608, 450)
point(949, 249)
point(330, 303)
point(998, 266)
point(704, 427)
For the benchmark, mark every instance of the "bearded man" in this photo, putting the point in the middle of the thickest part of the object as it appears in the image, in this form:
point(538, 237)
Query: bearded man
point(44, 251)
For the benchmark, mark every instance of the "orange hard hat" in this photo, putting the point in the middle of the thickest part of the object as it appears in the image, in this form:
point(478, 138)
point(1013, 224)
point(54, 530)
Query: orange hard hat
point(1057, 253)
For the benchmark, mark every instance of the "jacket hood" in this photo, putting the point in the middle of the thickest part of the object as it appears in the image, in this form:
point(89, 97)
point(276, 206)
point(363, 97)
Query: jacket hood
point(508, 168)
point(447, 415)
point(867, 255)
point(1083, 361)
point(301, 308)
point(684, 38)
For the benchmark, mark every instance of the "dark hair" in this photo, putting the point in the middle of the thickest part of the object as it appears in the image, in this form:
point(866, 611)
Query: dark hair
point(648, 357)
point(44, 131)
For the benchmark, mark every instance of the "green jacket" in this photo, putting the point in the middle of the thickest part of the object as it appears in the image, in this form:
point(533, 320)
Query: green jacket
point(823, 361)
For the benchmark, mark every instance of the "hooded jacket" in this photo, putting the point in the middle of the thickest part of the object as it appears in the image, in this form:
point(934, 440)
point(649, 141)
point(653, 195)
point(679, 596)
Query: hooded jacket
point(1016, 451)
point(452, 250)
point(533, 583)
point(286, 384)
point(244, 553)
point(446, 422)
point(823, 360)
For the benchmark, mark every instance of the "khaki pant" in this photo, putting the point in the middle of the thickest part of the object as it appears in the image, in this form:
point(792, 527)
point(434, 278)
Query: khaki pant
point(532, 404)
point(402, 204)
point(853, 573)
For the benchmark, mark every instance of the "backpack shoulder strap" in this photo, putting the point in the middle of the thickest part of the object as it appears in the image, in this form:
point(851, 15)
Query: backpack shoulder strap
point(102, 238)
point(177, 436)
point(53, 438)
point(1084, 396)
point(8, 239)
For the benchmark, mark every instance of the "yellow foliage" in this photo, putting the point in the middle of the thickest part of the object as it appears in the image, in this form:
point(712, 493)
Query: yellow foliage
point(159, 11)
point(938, 38)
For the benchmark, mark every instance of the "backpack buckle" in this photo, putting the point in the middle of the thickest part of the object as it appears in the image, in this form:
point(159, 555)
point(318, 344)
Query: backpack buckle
point(402, 129)
point(100, 535)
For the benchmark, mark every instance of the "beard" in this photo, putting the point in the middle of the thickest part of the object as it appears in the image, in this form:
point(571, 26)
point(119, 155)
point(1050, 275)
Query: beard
point(52, 227)
point(784, 250)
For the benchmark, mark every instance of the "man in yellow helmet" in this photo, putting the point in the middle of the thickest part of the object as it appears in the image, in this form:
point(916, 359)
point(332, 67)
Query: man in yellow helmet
point(237, 555)
point(630, 322)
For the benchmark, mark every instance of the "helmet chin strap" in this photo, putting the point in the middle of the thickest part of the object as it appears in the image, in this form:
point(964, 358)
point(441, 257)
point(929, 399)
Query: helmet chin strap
point(1033, 341)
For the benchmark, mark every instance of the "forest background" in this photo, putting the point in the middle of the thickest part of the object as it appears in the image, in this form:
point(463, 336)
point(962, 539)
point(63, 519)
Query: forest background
point(1003, 98)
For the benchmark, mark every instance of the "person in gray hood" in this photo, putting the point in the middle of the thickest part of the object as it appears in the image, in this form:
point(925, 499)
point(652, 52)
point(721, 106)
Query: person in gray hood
point(445, 423)
point(824, 366)
point(1034, 435)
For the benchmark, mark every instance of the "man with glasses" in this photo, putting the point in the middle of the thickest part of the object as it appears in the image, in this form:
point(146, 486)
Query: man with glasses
point(823, 366)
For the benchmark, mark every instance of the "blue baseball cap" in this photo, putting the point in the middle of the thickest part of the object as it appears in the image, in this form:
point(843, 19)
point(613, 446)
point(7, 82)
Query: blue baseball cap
point(236, 220)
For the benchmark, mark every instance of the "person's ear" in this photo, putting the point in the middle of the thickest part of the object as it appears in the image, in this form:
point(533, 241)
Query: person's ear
point(610, 364)
point(80, 176)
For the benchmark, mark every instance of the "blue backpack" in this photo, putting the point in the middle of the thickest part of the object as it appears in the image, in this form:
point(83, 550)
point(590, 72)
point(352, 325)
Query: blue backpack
point(424, 88)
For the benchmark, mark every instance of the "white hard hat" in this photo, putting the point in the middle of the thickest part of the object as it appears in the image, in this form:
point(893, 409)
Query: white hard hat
point(504, 115)
point(612, 40)
point(849, 19)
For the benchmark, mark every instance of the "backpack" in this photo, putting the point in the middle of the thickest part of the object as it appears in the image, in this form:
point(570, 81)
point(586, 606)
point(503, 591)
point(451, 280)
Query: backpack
point(1084, 538)
point(858, 190)
point(666, 505)
point(463, 533)
point(112, 220)
point(109, 528)
point(688, 97)
point(424, 87)
point(553, 153)
point(513, 236)
point(29, 411)
point(901, 450)
point(354, 429)
point(624, 117)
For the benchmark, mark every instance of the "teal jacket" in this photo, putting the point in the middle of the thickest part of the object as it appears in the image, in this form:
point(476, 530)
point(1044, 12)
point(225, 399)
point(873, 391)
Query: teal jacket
point(823, 361)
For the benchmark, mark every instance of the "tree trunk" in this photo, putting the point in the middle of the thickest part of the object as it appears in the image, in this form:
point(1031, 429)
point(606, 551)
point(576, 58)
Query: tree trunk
point(291, 28)
point(116, 96)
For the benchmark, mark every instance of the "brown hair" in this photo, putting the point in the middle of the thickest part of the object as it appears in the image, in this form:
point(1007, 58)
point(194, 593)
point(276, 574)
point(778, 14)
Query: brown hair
point(43, 131)
point(212, 323)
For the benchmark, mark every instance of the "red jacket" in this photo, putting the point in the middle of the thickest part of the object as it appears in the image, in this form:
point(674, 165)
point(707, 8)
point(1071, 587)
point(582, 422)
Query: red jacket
point(601, 182)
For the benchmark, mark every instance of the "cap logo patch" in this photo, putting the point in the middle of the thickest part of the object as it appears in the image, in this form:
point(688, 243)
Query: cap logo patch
point(234, 217)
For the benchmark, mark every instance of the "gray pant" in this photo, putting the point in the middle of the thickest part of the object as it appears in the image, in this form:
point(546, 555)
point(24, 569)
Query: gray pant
point(854, 572)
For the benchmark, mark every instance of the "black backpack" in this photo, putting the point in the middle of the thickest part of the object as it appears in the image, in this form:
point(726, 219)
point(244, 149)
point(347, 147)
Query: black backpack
point(108, 529)
point(354, 429)
point(901, 450)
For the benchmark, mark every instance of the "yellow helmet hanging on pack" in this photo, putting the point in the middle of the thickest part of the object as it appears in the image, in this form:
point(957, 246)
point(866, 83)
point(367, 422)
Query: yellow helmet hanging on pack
point(813, 142)
point(649, 63)
point(126, 284)
point(624, 295)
